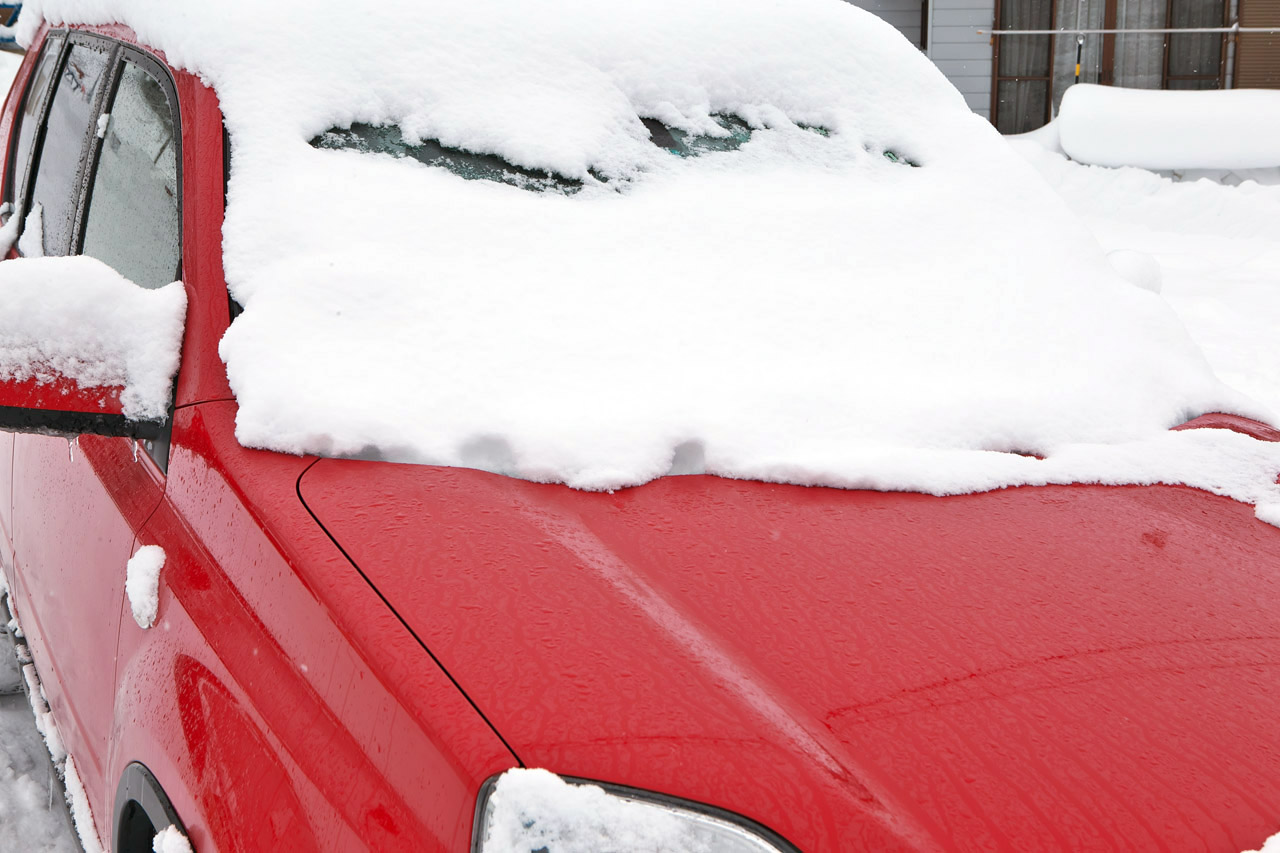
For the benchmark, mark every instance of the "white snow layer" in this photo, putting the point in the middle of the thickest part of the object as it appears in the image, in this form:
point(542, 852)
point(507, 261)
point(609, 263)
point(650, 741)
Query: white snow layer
point(1167, 129)
point(800, 310)
point(77, 318)
point(81, 812)
point(1271, 845)
point(532, 810)
point(142, 584)
point(170, 840)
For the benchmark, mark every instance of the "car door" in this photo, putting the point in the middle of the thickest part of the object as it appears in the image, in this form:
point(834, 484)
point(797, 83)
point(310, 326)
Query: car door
point(104, 182)
point(23, 135)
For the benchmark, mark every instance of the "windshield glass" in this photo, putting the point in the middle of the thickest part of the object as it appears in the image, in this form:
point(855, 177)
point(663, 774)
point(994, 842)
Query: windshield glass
point(465, 164)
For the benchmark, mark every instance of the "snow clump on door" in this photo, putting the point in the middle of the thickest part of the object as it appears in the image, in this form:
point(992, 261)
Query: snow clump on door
point(142, 584)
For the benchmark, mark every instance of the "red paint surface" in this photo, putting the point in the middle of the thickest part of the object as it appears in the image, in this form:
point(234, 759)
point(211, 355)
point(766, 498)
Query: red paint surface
point(1038, 668)
point(1235, 423)
point(61, 395)
point(1035, 668)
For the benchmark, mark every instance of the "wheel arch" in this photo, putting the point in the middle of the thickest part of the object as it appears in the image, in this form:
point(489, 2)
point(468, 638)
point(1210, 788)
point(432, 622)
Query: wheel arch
point(142, 809)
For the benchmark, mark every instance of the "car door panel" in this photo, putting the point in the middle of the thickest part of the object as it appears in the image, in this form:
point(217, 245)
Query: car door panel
point(81, 504)
point(6, 503)
point(250, 648)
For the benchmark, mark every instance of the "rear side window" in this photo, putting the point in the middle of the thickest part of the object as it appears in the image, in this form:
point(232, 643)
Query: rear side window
point(29, 119)
point(56, 188)
point(134, 223)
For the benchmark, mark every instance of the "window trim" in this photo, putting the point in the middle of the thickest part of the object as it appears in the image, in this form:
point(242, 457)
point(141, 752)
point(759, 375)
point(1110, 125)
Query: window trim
point(12, 173)
point(997, 77)
point(161, 75)
point(111, 47)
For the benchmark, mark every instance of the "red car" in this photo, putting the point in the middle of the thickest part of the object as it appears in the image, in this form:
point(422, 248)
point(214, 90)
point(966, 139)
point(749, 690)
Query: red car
point(346, 654)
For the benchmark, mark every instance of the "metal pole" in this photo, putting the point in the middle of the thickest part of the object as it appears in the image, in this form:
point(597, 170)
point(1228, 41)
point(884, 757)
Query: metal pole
point(1079, 36)
point(928, 36)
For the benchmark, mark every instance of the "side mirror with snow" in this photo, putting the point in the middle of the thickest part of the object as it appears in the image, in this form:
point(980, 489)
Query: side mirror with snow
point(85, 350)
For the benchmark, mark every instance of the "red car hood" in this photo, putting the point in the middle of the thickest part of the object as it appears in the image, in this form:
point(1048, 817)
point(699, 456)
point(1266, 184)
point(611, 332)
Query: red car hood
point(1029, 669)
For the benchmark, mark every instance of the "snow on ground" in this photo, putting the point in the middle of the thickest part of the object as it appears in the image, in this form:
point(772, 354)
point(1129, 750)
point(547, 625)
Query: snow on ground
point(1218, 248)
point(31, 809)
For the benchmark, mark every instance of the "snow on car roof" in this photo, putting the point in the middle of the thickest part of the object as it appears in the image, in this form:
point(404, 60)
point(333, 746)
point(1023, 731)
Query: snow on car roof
point(870, 291)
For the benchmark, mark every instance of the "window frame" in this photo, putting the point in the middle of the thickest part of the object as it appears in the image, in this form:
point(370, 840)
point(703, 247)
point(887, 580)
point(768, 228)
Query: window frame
point(1219, 78)
point(90, 152)
point(15, 170)
point(91, 159)
point(1001, 6)
point(91, 41)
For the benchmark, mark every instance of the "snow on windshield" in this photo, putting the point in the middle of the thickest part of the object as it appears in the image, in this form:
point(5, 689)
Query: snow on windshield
point(800, 309)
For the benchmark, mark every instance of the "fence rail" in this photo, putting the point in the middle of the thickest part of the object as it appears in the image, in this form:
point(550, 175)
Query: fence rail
point(1068, 31)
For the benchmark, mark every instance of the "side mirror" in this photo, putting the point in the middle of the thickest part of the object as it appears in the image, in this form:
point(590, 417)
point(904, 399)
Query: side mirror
point(85, 350)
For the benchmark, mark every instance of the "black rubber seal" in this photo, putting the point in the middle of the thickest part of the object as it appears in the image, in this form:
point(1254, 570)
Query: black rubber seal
point(52, 422)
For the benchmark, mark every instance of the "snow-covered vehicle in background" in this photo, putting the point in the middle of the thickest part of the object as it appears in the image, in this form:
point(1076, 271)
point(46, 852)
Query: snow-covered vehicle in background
point(390, 547)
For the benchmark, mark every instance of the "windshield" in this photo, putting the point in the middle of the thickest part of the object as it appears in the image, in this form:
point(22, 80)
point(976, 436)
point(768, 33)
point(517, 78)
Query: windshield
point(465, 164)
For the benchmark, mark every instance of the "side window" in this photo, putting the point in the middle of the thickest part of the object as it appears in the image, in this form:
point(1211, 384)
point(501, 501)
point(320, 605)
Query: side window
point(56, 189)
point(134, 222)
point(28, 120)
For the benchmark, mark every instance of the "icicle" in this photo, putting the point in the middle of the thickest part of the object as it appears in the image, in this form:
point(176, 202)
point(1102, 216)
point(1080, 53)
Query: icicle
point(135, 450)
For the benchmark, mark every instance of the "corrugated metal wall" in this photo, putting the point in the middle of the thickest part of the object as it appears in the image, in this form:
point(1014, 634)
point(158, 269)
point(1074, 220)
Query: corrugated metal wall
point(905, 15)
point(958, 50)
point(961, 52)
point(1257, 57)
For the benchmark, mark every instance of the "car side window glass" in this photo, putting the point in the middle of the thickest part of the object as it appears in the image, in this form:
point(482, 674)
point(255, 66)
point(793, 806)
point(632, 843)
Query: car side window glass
point(134, 222)
point(29, 119)
point(56, 190)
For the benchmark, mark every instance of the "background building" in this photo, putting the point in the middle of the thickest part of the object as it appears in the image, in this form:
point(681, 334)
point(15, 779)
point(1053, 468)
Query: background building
point(1017, 80)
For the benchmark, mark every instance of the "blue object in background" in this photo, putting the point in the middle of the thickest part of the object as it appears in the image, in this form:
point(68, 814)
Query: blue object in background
point(8, 17)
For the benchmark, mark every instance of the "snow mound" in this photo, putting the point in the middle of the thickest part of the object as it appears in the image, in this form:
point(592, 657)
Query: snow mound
point(872, 291)
point(1138, 268)
point(142, 584)
point(81, 811)
point(1167, 129)
point(170, 840)
point(77, 318)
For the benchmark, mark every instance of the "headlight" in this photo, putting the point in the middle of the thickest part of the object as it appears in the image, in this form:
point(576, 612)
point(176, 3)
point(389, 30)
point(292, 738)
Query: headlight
point(534, 811)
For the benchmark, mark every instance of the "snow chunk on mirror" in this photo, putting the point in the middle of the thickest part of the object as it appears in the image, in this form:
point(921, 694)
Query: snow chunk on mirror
point(76, 318)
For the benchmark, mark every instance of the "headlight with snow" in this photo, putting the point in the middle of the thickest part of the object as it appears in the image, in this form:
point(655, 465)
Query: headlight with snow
point(534, 811)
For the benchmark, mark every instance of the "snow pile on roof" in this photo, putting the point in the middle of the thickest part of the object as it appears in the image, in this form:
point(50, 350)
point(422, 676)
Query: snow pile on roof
point(802, 309)
point(78, 318)
point(1157, 129)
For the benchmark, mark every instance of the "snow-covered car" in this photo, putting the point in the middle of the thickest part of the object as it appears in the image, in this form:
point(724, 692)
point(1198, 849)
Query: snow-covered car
point(649, 426)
